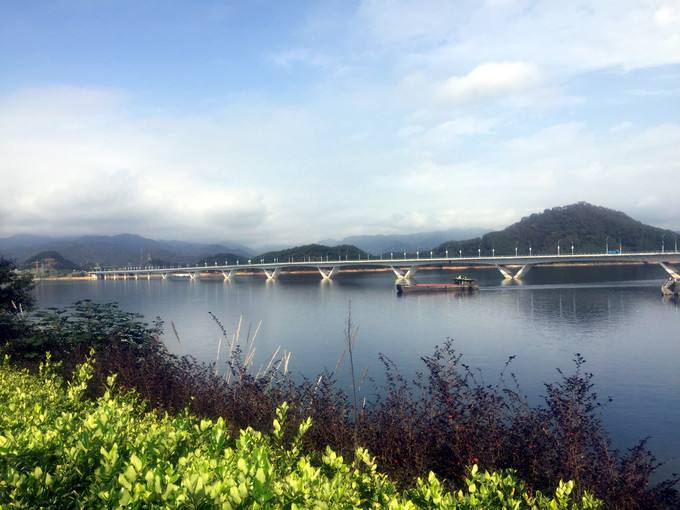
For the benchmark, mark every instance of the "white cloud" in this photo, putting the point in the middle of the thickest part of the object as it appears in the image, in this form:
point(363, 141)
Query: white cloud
point(668, 14)
point(288, 58)
point(488, 80)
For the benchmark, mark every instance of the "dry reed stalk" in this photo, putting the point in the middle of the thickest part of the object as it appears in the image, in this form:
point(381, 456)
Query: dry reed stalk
point(217, 358)
point(174, 330)
point(286, 359)
point(271, 360)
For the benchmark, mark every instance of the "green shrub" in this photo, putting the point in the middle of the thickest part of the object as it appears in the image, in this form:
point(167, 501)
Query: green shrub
point(59, 449)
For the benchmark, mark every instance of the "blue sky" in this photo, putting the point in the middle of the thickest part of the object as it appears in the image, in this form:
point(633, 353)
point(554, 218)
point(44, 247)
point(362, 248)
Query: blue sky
point(289, 122)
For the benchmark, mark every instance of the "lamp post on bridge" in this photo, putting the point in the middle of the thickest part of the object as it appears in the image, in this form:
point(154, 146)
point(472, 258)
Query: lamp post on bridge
point(558, 247)
point(391, 255)
point(606, 245)
point(404, 255)
point(572, 248)
point(515, 250)
point(663, 248)
point(447, 254)
point(430, 254)
point(493, 252)
point(530, 250)
point(460, 254)
point(417, 254)
point(479, 252)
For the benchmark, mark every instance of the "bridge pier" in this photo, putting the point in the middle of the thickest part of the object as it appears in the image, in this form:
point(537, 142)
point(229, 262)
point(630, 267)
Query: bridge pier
point(326, 274)
point(164, 276)
point(228, 275)
point(272, 275)
point(401, 275)
point(508, 274)
point(671, 287)
point(193, 276)
point(674, 274)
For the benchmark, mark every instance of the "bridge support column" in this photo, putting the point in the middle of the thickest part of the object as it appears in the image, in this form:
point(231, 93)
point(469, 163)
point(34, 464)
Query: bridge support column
point(670, 270)
point(136, 276)
point(508, 274)
point(193, 276)
point(272, 275)
point(164, 276)
point(671, 287)
point(148, 276)
point(228, 275)
point(401, 275)
point(326, 274)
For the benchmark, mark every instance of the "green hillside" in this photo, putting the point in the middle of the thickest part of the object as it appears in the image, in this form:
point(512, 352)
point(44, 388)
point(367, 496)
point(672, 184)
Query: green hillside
point(588, 227)
point(47, 262)
point(315, 251)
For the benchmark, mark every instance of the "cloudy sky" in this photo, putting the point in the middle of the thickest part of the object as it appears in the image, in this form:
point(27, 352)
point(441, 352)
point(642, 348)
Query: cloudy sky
point(287, 122)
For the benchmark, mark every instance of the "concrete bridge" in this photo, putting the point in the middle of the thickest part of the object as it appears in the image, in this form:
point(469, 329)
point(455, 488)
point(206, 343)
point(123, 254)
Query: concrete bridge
point(510, 267)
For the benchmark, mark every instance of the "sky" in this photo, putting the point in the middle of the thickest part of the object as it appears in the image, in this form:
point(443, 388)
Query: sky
point(271, 122)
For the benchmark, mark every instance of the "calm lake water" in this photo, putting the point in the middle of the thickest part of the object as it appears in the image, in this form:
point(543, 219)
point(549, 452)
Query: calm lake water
point(614, 316)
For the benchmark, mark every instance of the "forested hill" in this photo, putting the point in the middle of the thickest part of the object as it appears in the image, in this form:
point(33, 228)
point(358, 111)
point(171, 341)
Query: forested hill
point(588, 227)
point(49, 261)
point(315, 251)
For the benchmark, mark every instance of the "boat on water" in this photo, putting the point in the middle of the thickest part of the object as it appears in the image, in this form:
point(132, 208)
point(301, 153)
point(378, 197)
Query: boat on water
point(459, 284)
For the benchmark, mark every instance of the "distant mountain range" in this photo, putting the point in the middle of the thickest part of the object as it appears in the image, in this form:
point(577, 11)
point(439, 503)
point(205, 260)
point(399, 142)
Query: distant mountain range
point(117, 250)
point(385, 243)
point(589, 228)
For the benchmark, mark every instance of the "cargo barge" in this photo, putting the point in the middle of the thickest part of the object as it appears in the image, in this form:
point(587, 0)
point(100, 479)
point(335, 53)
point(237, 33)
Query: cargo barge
point(459, 284)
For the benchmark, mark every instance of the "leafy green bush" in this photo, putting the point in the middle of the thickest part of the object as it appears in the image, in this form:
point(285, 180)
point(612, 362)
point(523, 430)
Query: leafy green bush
point(61, 449)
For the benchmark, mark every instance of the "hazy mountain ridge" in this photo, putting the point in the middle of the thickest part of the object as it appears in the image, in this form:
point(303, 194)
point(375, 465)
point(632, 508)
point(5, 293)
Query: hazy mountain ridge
point(384, 243)
point(117, 250)
point(590, 228)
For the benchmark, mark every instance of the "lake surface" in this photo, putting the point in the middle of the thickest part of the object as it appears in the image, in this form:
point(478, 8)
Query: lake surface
point(614, 316)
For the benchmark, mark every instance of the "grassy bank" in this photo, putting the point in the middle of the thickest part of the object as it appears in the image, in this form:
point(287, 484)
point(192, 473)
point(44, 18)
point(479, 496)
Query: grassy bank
point(59, 448)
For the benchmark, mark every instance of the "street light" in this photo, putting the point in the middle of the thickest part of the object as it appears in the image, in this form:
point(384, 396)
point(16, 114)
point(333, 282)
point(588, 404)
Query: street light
point(530, 250)
point(515, 250)
point(417, 254)
point(447, 253)
point(391, 255)
point(493, 252)
point(662, 243)
point(606, 244)
point(430, 253)
point(558, 248)
point(572, 248)
point(460, 253)
point(479, 252)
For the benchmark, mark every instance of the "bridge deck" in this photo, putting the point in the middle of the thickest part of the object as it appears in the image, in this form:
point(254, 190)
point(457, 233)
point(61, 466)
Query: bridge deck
point(522, 260)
